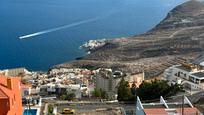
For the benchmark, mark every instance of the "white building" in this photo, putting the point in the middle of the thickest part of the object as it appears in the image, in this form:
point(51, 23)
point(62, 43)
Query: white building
point(48, 89)
point(15, 72)
point(56, 89)
point(189, 75)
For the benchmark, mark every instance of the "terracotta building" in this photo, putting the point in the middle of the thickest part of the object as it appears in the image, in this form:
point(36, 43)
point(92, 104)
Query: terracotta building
point(10, 96)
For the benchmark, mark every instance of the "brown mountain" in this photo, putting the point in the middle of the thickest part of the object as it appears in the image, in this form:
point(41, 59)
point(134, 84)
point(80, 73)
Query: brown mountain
point(178, 37)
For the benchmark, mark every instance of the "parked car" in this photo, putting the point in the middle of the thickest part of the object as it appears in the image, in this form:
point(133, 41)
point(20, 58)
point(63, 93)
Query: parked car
point(68, 111)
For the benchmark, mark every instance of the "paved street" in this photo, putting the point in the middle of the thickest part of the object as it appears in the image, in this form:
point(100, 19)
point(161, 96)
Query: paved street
point(84, 108)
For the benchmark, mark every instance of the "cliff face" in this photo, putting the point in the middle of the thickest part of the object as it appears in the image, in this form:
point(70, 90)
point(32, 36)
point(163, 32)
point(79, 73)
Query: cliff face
point(180, 34)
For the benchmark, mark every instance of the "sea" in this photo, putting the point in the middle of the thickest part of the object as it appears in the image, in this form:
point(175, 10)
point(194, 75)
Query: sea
point(38, 34)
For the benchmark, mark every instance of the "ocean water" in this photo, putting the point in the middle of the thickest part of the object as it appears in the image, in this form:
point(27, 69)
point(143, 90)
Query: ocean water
point(62, 26)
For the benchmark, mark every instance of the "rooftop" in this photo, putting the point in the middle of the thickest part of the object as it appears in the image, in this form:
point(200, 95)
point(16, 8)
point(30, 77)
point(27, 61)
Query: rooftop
point(153, 105)
point(184, 68)
point(199, 74)
point(163, 108)
point(177, 105)
point(25, 86)
point(3, 95)
point(155, 112)
point(11, 92)
point(188, 111)
point(3, 81)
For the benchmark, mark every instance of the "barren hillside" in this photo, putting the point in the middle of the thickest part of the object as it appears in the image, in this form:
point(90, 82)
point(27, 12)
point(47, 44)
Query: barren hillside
point(178, 37)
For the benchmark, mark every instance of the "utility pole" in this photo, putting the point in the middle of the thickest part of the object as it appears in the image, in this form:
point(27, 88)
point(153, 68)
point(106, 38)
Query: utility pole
point(182, 105)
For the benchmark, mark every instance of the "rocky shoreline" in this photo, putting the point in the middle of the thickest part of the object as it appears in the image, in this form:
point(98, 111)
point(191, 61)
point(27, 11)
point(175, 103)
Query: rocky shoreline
point(93, 44)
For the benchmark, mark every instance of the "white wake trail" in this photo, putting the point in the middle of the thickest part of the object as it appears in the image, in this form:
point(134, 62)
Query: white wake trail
point(59, 28)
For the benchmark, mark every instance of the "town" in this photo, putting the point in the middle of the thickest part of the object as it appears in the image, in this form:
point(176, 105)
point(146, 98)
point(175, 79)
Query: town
point(159, 71)
point(103, 91)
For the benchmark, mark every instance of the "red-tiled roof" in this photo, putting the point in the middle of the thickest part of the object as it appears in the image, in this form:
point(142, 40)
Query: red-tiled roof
point(3, 80)
point(3, 95)
point(188, 110)
point(24, 86)
point(10, 87)
point(155, 111)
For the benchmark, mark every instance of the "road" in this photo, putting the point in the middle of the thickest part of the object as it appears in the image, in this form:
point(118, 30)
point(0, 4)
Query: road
point(181, 30)
point(84, 108)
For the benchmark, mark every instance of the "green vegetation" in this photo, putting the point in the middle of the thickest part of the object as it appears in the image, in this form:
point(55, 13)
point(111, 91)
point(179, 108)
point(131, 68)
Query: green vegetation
point(124, 91)
point(67, 96)
point(50, 110)
point(155, 89)
point(99, 93)
point(147, 90)
point(133, 89)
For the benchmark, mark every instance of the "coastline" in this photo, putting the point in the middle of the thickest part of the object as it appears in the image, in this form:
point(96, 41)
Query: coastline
point(45, 51)
point(155, 49)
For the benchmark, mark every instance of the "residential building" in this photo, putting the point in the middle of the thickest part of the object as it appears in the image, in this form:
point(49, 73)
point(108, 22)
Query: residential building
point(190, 75)
point(59, 89)
point(10, 96)
point(26, 89)
point(108, 80)
point(184, 107)
point(48, 89)
point(15, 72)
point(137, 79)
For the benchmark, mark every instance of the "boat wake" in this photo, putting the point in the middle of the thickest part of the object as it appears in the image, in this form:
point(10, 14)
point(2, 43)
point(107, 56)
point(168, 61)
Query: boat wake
point(69, 25)
point(59, 28)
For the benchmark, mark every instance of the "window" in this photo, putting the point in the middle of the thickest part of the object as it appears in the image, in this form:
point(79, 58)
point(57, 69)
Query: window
point(176, 74)
point(184, 75)
point(179, 74)
point(202, 81)
point(26, 92)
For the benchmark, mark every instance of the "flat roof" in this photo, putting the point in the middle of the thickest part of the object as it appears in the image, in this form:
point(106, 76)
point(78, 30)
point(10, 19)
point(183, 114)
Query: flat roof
point(198, 74)
point(153, 105)
point(183, 68)
point(191, 111)
point(155, 112)
point(174, 105)
point(159, 111)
